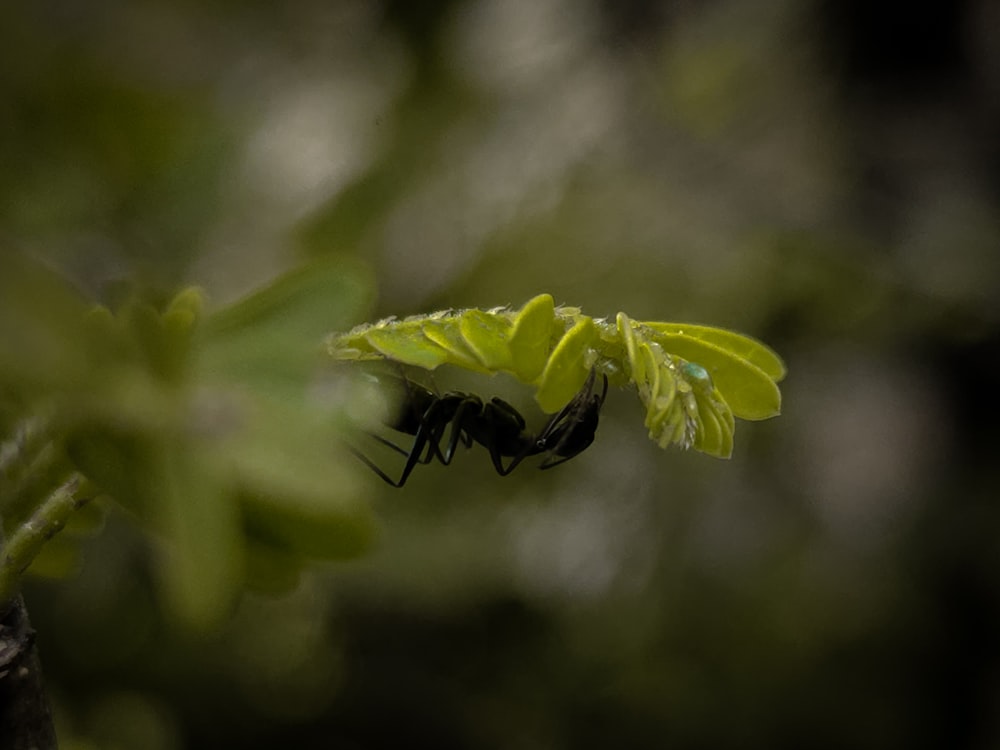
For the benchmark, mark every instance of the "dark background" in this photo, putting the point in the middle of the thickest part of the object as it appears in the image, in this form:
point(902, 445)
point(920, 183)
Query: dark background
point(822, 175)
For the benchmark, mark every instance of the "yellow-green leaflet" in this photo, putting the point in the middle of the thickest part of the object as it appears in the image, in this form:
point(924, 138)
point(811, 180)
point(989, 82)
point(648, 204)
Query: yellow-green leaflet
point(415, 349)
point(488, 336)
point(737, 344)
point(567, 367)
point(450, 338)
point(692, 380)
point(530, 338)
point(746, 373)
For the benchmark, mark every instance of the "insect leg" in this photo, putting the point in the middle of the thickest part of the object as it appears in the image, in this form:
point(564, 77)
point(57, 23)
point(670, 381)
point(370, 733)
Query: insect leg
point(575, 425)
point(425, 436)
point(509, 440)
point(458, 428)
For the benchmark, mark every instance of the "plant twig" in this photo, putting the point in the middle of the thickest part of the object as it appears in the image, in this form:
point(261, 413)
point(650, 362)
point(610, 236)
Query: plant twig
point(27, 540)
point(25, 716)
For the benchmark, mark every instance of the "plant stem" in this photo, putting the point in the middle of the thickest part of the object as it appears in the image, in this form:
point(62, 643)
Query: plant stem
point(28, 539)
point(25, 716)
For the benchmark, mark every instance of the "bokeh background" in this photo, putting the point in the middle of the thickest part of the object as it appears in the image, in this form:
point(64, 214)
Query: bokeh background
point(823, 175)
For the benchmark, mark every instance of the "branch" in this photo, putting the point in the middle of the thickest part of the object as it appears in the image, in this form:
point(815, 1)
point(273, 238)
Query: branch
point(28, 539)
point(25, 716)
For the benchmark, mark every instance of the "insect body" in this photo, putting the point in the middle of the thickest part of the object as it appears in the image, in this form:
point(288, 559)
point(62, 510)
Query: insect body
point(440, 423)
point(572, 430)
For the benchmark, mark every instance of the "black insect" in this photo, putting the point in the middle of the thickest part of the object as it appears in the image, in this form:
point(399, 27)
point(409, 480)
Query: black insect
point(440, 423)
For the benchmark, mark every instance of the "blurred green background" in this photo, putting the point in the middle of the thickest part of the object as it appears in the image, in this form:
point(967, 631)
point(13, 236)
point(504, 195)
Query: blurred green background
point(822, 175)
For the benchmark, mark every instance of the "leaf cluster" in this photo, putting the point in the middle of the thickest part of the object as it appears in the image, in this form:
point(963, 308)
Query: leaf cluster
point(692, 380)
point(213, 430)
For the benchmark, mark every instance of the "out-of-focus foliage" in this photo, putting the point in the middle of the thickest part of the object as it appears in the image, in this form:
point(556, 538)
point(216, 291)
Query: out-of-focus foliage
point(820, 175)
point(207, 430)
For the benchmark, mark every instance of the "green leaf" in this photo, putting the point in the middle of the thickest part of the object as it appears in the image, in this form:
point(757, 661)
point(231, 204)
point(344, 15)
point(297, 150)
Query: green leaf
point(271, 570)
point(714, 417)
point(198, 513)
point(300, 493)
point(409, 346)
point(145, 324)
point(274, 337)
point(530, 338)
point(179, 323)
point(708, 438)
point(309, 526)
point(745, 347)
point(715, 435)
point(659, 395)
point(566, 370)
point(42, 328)
point(749, 390)
point(116, 462)
point(487, 334)
point(636, 363)
point(445, 333)
point(59, 558)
